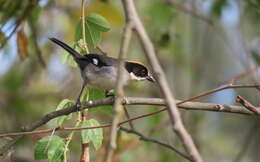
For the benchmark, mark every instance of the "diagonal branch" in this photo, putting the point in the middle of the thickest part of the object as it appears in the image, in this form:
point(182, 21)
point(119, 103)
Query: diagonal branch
point(247, 105)
point(118, 109)
point(148, 139)
point(173, 112)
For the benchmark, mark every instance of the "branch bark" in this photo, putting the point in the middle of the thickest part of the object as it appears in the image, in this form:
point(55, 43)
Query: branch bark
point(247, 105)
point(126, 101)
point(173, 112)
point(118, 109)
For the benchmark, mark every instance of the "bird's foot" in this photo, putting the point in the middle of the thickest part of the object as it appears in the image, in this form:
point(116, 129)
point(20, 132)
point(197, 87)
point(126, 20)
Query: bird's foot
point(78, 105)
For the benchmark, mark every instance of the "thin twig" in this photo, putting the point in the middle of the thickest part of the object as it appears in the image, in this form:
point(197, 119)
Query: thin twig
point(68, 139)
point(219, 89)
point(146, 101)
point(118, 110)
point(247, 105)
point(241, 76)
point(148, 139)
point(83, 26)
point(51, 130)
point(131, 124)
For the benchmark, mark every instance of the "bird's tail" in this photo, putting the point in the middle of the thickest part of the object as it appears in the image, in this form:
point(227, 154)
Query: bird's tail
point(70, 50)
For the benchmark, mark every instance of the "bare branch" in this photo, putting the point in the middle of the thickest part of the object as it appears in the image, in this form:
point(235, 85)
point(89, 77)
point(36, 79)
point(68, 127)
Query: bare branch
point(131, 124)
point(131, 101)
point(118, 109)
point(247, 105)
point(140, 101)
point(148, 139)
point(219, 89)
point(173, 112)
point(241, 75)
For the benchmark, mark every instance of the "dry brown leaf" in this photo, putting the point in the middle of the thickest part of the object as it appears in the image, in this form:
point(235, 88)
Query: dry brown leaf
point(22, 44)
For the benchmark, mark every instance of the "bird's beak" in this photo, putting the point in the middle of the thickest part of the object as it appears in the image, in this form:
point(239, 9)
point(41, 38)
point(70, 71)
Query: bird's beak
point(150, 78)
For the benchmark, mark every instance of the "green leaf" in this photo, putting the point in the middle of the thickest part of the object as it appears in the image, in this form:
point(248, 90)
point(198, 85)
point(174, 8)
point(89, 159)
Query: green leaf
point(50, 147)
point(78, 32)
point(62, 105)
point(94, 25)
point(93, 36)
point(67, 58)
point(40, 151)
point(56, 149)
point(98, 22)
point(92, 135)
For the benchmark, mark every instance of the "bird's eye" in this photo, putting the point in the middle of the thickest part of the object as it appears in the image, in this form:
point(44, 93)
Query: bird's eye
point(95, 61)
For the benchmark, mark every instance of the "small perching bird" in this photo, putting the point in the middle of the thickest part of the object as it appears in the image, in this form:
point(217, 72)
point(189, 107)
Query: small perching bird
point(100, 71)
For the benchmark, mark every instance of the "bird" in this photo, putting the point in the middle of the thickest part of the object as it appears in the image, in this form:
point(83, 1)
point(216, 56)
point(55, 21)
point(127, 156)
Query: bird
point(100, 71)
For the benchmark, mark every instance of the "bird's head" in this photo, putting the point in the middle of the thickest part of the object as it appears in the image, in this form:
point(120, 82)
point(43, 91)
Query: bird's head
point(138, 71)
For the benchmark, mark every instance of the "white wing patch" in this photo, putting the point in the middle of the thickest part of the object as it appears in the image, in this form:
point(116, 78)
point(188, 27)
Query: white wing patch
point(95, 61)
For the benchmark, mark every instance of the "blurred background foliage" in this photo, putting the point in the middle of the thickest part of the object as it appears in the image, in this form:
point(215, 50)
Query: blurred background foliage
point(196, 55)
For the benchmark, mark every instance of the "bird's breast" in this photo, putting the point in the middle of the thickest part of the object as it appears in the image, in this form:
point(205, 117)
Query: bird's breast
point(102, 78)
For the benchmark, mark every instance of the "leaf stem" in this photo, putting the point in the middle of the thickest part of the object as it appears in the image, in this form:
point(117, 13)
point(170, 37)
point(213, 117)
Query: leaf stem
point(83, 26)
point(69, 138)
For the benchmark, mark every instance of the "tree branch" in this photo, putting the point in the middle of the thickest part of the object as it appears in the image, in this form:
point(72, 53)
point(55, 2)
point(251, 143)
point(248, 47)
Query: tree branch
point(133, 101)
point(118, 109)
point(247, 105)
point(148, 139)
point(173, 112)
point(141, 101)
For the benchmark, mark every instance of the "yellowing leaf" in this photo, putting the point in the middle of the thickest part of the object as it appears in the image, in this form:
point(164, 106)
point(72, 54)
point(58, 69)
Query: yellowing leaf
point(22, 44)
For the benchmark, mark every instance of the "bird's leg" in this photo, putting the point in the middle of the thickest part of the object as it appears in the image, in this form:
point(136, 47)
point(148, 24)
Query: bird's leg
point(108, 94)
point(78, 103)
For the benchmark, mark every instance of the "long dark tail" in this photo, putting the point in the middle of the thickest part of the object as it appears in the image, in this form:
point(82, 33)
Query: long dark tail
point(71, 51)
